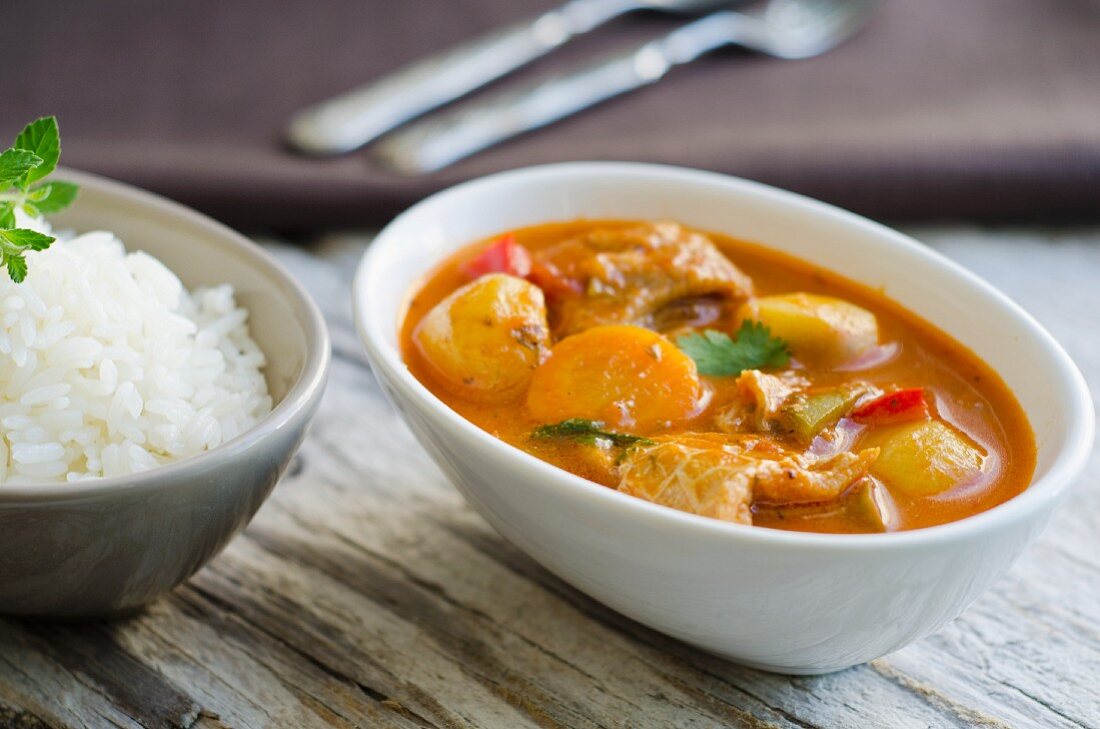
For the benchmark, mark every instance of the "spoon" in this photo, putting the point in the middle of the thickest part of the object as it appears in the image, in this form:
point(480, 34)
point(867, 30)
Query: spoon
point(359, 116)
point(788, 29)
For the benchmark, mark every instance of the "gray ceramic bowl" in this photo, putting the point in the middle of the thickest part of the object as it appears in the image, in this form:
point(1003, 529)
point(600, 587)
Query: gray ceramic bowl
point(111, 545)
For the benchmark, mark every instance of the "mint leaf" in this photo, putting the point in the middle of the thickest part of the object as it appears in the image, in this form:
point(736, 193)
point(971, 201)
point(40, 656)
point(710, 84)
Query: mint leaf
point(14, 242)
point(716, 353)
point(17, 266)
point(25, 239)
point(587, 432)
point(33, 156)
point(40, 137)
point(15, 163)
point(53, 197)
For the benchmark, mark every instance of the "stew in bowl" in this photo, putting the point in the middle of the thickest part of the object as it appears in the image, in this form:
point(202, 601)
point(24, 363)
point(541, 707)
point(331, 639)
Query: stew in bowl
point(717, 377)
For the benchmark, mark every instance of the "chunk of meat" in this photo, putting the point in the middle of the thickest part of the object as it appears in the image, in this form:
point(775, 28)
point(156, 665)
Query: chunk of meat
point(628, 276)
point(758, 401)
point(786, 404)
point(866, 502)
point(692, 474)
point(797, 479)
point(485, 340)
point(721, 476)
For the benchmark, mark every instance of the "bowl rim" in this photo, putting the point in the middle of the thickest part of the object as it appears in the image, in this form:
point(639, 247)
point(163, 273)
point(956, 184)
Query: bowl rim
point(306, 388)
point(1070, 459)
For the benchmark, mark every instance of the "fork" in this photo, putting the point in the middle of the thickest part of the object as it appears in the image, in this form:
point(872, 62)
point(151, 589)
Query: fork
point(361, 115)
point(787, 29)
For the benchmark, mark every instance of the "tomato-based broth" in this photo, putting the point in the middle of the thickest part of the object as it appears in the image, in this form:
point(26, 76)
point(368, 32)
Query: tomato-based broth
point(716, 377)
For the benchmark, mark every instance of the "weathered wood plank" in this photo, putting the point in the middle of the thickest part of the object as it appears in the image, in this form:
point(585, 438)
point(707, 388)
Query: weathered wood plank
point(366, 593)
point(35, 687)
point(244, 676)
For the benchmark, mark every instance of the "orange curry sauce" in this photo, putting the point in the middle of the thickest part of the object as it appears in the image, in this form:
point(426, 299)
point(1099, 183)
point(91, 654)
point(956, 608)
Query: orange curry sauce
point(961, 389)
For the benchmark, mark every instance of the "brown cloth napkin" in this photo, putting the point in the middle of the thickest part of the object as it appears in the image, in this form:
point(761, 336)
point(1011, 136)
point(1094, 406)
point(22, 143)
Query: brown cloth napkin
point(940, 109)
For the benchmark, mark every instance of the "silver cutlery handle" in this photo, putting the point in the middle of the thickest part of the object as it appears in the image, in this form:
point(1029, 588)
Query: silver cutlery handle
point(363, 114)
point(438, 142)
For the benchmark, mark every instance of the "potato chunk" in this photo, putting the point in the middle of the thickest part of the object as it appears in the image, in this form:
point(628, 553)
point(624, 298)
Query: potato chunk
point(485, 340)
point(818, 329)
point(624, 376)
point(924, 458)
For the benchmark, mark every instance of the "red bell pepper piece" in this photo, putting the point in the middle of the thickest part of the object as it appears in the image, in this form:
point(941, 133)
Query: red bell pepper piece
point(893, 407)
point(502, 256)
point(552, 282)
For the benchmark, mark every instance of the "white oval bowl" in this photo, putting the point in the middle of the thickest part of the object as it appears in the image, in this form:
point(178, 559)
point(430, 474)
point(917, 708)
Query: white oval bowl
point(783, 601)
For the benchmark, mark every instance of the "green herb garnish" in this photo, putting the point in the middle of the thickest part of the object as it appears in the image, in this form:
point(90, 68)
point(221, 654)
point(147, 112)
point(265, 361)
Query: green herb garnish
point(31, 158)
point(588, 432)
point(753, 347)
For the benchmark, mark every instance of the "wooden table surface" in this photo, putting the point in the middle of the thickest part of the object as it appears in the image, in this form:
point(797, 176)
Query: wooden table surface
point(366, 593)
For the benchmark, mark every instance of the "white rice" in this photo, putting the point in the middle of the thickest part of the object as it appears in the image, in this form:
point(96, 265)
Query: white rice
point(109, 366)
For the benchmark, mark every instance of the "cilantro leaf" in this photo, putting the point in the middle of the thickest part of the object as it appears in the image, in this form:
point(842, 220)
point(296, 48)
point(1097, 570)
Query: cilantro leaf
point(42, 138)
point(753, 347)
point(15, 163)
point(587, 432)
point(53, 197)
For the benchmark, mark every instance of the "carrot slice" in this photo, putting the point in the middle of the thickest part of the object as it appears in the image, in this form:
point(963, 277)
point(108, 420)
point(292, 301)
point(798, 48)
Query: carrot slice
point(626, 377)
